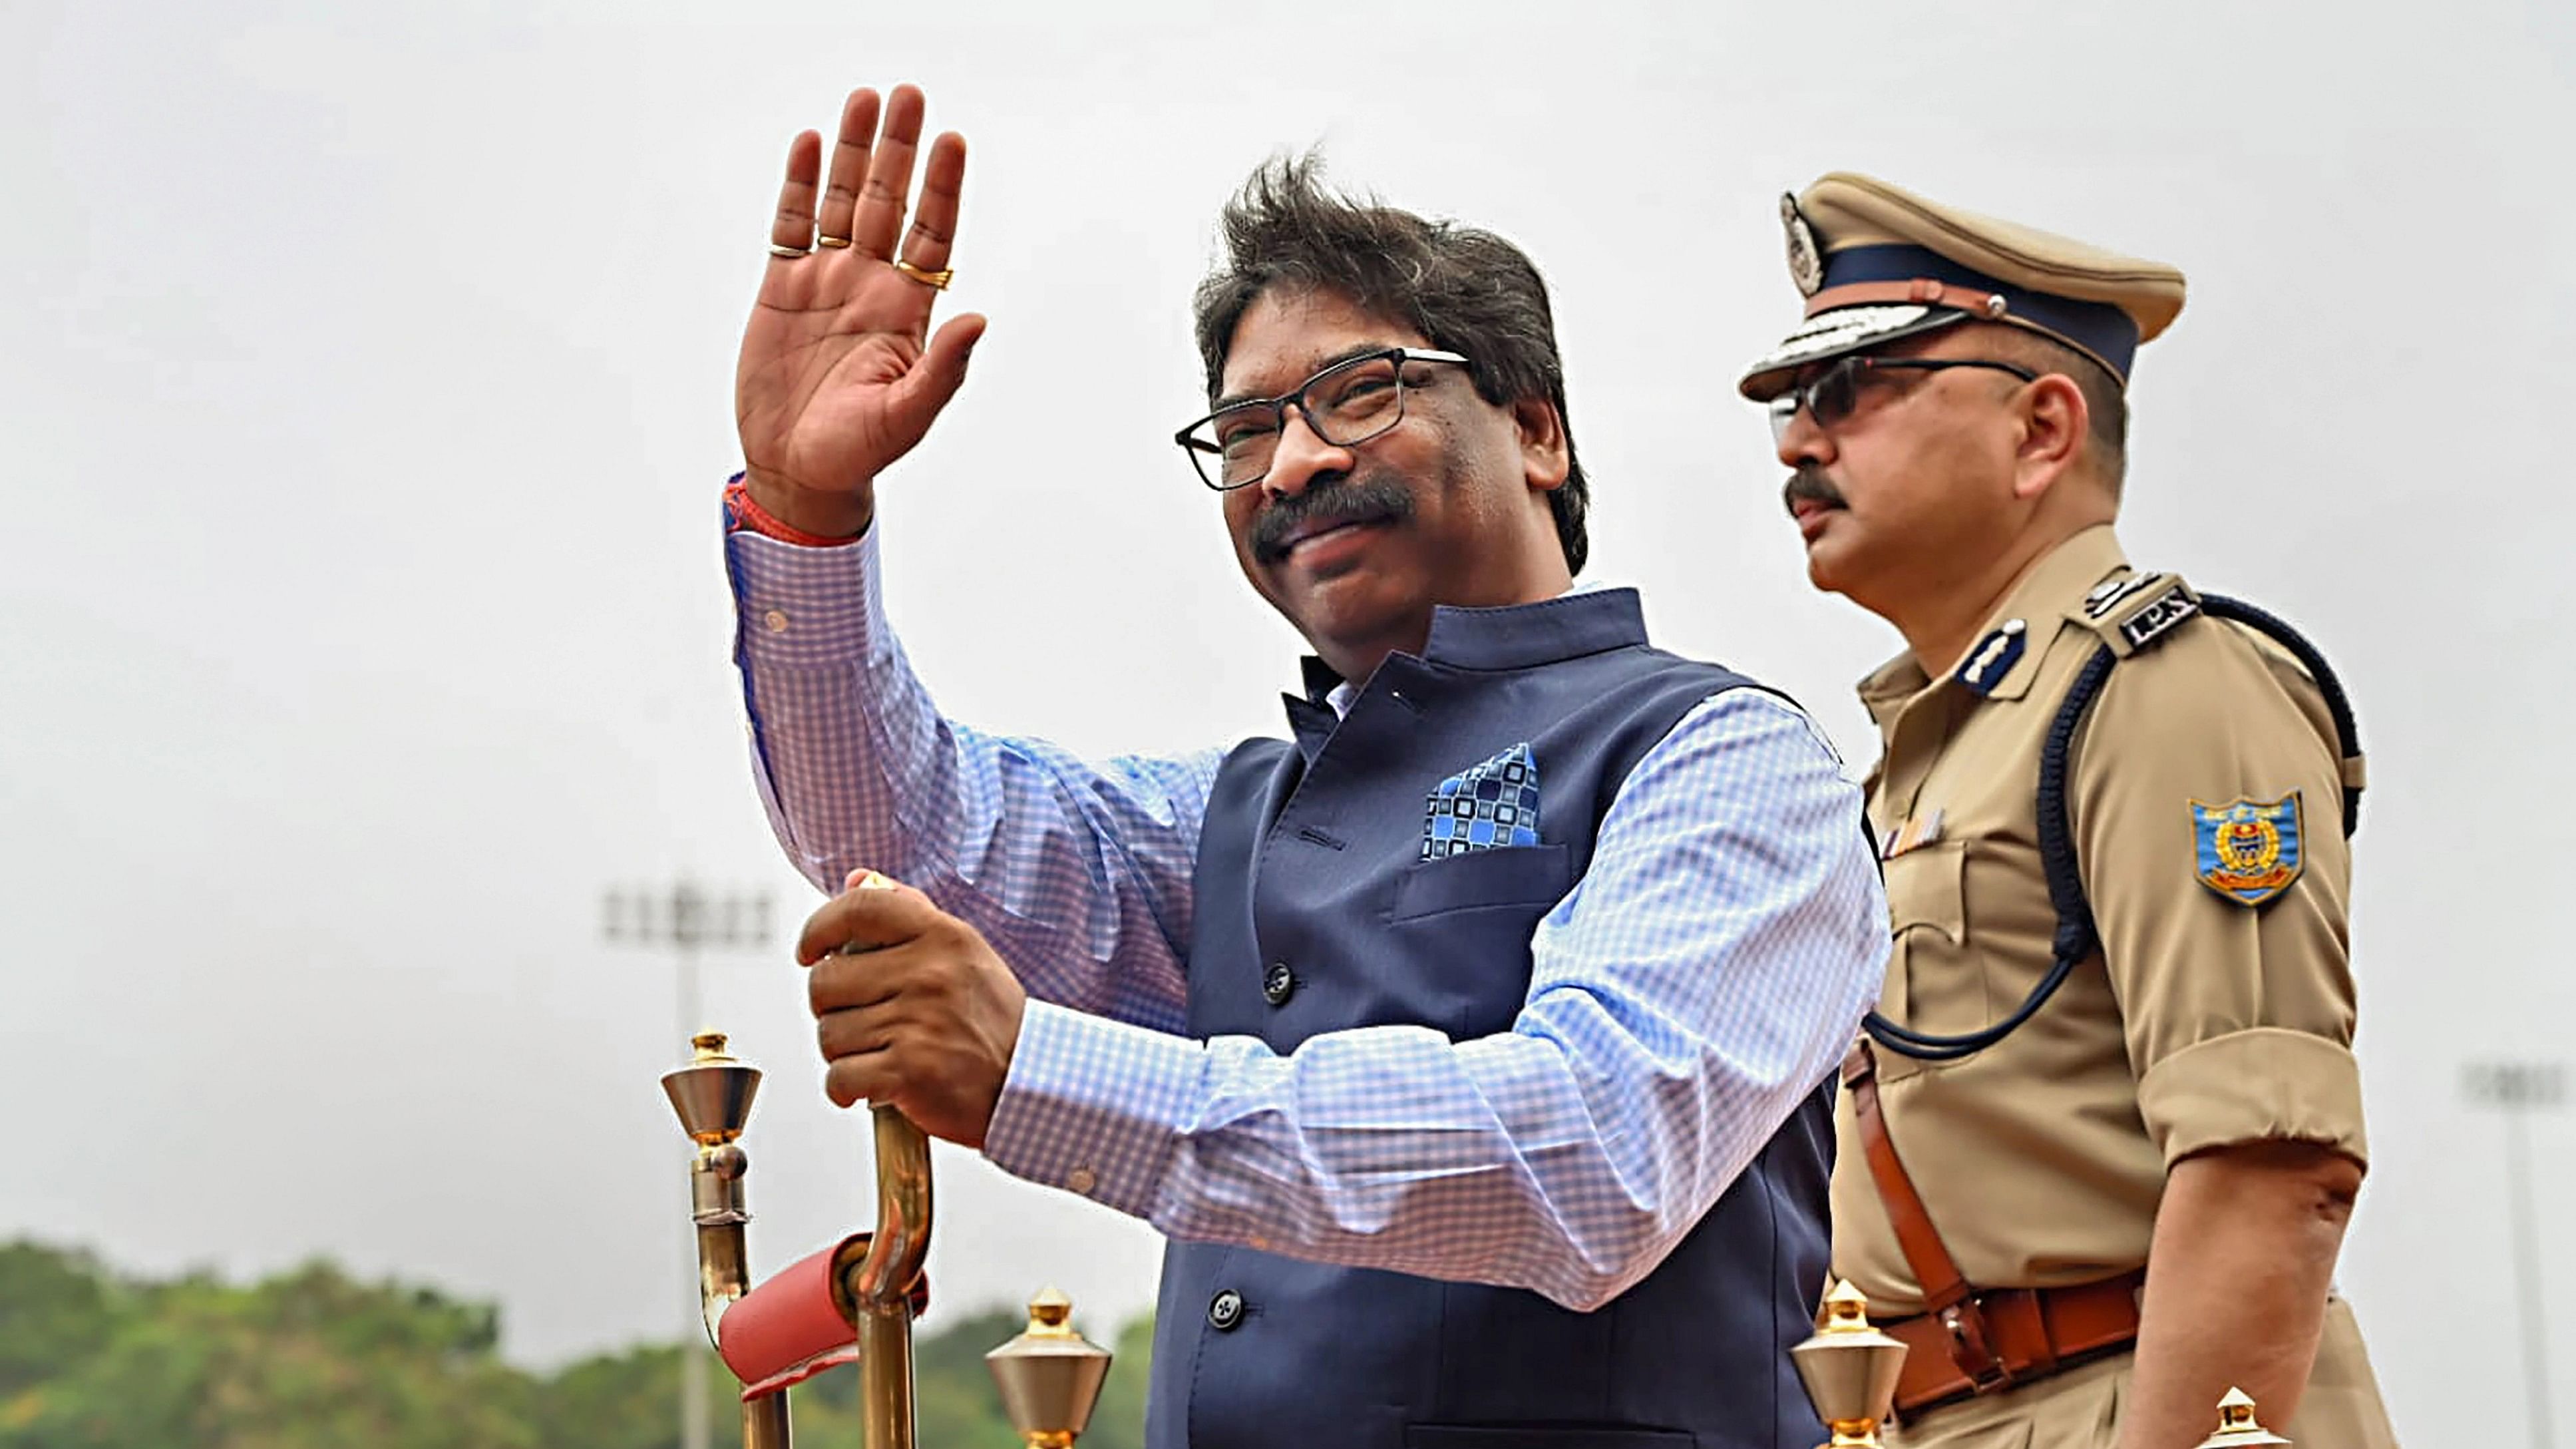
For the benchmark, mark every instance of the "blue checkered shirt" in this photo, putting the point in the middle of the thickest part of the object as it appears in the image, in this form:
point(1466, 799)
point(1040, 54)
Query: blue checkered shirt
point(1696, 984)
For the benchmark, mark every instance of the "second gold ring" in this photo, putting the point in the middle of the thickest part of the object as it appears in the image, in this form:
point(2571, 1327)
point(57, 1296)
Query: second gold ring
point(937, 281)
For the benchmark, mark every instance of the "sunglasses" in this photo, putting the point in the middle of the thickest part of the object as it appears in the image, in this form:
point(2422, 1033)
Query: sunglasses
point(1833, 395)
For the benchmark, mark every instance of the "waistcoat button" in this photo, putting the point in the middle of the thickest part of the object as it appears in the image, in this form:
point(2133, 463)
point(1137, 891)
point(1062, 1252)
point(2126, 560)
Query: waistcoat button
point(1225, 1310)
point(1278, 983)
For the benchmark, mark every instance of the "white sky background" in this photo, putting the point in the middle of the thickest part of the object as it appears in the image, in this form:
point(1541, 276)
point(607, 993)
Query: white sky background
point(366, 389)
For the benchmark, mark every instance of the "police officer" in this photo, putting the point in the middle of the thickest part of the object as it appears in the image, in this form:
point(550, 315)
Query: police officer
point(2099, 1144)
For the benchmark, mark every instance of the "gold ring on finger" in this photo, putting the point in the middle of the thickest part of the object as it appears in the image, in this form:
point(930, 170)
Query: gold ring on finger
point(828, 240)
point(937, 281)
point(777, 249)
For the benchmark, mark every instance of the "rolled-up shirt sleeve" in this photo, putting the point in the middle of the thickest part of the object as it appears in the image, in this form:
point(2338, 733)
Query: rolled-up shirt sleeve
point(1695, 987)
point(2239, 1011)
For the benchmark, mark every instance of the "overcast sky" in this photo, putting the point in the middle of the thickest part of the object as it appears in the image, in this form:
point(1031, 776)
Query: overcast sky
point(366, 392)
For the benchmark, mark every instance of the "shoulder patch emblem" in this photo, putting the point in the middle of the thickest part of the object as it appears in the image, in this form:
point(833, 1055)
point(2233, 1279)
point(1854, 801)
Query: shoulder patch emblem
point(2249, 849)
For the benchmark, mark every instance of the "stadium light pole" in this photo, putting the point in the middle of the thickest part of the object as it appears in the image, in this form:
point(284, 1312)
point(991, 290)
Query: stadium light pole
point(2519, 1089)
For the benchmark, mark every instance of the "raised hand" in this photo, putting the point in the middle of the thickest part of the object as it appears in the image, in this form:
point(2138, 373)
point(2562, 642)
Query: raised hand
point(839, 374)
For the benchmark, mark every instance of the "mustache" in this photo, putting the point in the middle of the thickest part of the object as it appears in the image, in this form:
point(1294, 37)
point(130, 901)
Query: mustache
point(1355, 500)
point(1810, 485)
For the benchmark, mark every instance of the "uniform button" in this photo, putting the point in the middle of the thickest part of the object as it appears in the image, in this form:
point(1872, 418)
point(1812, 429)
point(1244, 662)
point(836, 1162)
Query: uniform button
point(1278, 983)
point(776, 619)
point(1225, 1310)
point(1082, 1180)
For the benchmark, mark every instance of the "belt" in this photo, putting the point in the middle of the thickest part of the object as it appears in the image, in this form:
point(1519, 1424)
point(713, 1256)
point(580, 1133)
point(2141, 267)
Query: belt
point(1972, 1340)
point(2018, 1334)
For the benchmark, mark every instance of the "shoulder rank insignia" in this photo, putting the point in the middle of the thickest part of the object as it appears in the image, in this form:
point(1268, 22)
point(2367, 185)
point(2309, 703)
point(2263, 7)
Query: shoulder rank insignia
point(2107, 595)
point(2249, 849)
point(2137, 610)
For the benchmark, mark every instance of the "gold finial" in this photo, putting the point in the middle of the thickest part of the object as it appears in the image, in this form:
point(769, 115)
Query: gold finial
point(1051, 1313)
point(713, 1092)
point(1846, 1310)
point(1850, 1370)
point(2237, 1428)
point(1050, 1376)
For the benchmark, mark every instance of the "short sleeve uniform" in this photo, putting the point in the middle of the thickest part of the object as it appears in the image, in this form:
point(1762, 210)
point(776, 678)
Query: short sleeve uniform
point(2207, 798)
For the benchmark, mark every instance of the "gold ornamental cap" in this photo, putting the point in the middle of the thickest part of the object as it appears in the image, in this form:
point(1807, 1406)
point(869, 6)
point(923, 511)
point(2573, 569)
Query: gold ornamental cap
point(1849, 1368)
point(1050, 1375)
point(2236, 1426)
point(713, 1093)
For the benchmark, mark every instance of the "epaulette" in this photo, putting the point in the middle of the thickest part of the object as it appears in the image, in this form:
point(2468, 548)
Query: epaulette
point(2134, 611)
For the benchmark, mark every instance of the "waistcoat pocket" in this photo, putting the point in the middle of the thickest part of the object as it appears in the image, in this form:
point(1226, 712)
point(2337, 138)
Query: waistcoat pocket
point(1511, 875)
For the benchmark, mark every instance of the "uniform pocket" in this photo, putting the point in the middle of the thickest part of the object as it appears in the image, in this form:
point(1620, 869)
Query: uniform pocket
point(1511, 875)
point(1928, 921)
point(1927, 888)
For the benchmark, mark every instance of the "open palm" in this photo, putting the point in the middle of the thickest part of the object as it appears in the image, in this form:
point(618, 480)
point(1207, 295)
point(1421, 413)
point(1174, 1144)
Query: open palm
point(840, 374)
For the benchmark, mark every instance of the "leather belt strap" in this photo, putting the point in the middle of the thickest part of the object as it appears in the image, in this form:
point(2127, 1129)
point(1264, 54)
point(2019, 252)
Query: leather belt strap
point(2057, 1327)
point(1986, 1341)
point(1942, 1282)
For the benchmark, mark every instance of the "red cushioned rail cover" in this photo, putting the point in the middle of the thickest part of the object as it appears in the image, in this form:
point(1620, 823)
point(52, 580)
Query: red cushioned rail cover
point(788, 1329)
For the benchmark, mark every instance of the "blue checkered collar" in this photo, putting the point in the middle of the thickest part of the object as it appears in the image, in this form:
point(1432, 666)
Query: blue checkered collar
point(1586, 619)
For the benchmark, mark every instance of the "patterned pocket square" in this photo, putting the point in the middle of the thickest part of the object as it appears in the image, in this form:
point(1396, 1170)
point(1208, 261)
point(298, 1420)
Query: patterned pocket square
point(1483, 806)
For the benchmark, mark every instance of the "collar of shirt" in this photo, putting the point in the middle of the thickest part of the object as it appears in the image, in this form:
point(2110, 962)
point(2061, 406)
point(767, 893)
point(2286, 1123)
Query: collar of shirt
point(2041, 602)
point(1339, 697)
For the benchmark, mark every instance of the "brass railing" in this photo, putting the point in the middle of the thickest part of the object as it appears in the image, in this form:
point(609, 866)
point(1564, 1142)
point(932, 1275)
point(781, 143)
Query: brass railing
point(1049, 1376)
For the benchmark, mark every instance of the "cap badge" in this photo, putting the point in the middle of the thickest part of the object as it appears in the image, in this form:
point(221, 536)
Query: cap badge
point(1806, 264)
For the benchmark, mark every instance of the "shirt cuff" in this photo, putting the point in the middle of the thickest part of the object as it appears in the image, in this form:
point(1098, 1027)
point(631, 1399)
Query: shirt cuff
point(742, 511)
point(1094, 1106)
point(796, 605)
point(2265, 1084)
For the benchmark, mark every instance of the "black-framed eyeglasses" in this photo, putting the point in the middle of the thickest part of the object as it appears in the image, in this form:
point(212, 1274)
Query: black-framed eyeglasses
point(1346, 404)
point(1833, 395)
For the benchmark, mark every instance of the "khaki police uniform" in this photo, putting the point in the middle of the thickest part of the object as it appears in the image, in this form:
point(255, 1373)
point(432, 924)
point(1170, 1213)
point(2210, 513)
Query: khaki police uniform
point(2206, 796)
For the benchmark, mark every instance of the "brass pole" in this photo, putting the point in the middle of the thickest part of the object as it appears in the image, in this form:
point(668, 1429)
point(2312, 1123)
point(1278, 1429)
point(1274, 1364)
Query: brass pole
point(713, 1098)
point(687, 918)
point(881, 1284)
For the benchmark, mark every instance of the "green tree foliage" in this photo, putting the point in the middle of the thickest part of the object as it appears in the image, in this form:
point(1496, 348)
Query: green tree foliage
point(313, 1359)
point(56, 1310)
point(629, 1400)
point(306, 1360)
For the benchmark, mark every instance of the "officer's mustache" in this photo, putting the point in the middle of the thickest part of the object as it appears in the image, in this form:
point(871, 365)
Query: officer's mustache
point(1348, 500)
point(1810, 485)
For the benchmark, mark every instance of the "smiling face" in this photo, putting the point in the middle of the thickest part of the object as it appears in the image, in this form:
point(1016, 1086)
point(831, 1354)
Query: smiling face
point(1356, 545)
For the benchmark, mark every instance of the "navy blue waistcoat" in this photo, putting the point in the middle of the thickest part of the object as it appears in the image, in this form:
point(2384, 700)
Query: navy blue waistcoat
point(1314, 913)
